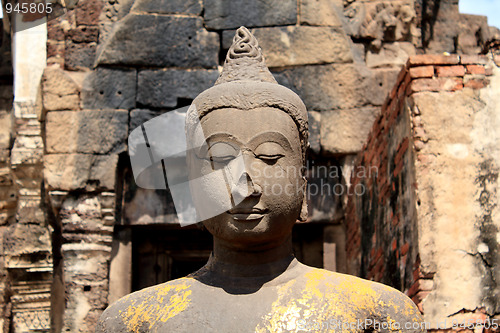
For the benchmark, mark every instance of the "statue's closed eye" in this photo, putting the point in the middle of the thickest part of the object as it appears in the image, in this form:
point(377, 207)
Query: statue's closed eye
point(269, 152)
point(222, 152)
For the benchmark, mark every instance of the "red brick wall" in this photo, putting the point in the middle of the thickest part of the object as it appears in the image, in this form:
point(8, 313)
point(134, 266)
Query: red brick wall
point(381, 221)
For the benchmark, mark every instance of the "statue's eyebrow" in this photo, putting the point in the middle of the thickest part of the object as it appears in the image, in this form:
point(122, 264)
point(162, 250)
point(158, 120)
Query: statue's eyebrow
point(221, 136)
point(203, 148)
point(276, 137)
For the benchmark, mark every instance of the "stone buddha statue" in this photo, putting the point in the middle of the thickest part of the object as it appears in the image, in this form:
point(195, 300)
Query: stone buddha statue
point(252, 282)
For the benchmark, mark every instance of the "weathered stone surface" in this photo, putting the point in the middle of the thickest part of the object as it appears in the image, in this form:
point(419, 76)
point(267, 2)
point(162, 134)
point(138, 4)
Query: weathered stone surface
point(55, 50)
point(100, 132)
point(86, 319)
point(86, 271)
point(300, 45)
point(354, 15)
point(168, 6)
point(80, 171)
point(390, 55)
point(152, 40)
point(8, 204)
point(94, 293)
point(53, 102)
point(5, 129)
point(379, 84)
point(231, 14)
point(5, 176)
point(358, 52)
point(457, 174)
point(345, 131)
point(112, 12)
point(320, 12)
point(109, 88)
point(55, 54)
point(85, 290)
point(120, 267)
point(28, 171)
point(28, 127)
point(30, 210)
point(162, 88)
point(82, 213)
point(27, 150)
point(328, 87)
point(387, 22)
point(79, 55)
point(26, 239)
point(477, 59)
point(472, 34)
point(98, 254)
point(60, 92)
point(55, 30)
point(58, 82)
point(83, 34)
point(87, 12)
point(4, 155)
point(314, 131)
point(446, 30)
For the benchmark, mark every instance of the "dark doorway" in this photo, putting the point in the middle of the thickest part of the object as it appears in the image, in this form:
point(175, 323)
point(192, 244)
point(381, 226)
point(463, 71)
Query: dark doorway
point(162, 253)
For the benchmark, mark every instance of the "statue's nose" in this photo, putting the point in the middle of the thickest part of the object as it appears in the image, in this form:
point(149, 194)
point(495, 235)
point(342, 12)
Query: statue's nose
point(254, 189)
point(245, 187)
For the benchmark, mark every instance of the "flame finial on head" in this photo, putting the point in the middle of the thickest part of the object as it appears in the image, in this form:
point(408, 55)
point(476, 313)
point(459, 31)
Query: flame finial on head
point(244, 45)
point(244, 60)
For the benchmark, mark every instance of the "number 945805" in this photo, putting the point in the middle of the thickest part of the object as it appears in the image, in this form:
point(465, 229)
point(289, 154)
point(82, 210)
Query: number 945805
point(26, 7)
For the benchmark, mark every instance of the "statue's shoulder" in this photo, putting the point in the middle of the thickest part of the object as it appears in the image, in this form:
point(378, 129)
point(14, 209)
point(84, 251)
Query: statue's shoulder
point(377, 299)
point(130, 312)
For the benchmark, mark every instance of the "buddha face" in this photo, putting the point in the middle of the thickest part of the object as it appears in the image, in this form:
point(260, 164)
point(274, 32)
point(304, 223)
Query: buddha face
point(257, 155)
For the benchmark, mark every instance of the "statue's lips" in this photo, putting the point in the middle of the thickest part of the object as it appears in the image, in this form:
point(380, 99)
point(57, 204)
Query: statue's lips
point(247, 214)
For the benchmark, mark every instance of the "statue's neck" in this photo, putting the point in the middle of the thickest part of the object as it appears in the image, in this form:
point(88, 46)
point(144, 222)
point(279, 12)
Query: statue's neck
point(264, 270)
point(265, 261)
point(240, 271)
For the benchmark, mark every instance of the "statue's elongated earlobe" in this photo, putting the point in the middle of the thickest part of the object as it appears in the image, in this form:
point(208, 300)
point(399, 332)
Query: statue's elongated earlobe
point(304, 213)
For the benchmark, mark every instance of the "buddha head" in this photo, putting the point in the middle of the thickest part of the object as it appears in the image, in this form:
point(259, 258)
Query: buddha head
point(247, 141)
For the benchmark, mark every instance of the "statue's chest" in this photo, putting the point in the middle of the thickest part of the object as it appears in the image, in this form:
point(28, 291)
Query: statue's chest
point(266, 310)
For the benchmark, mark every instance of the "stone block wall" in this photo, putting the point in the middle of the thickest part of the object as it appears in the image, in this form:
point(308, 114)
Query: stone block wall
point(25, 243)
point(72, 38)
point(112, 65)
point(444, 29)
point(8, 195)
point(425, 222)
point(82, 150)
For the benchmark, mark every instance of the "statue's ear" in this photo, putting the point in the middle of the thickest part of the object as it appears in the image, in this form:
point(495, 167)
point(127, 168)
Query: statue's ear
point(303, 212)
